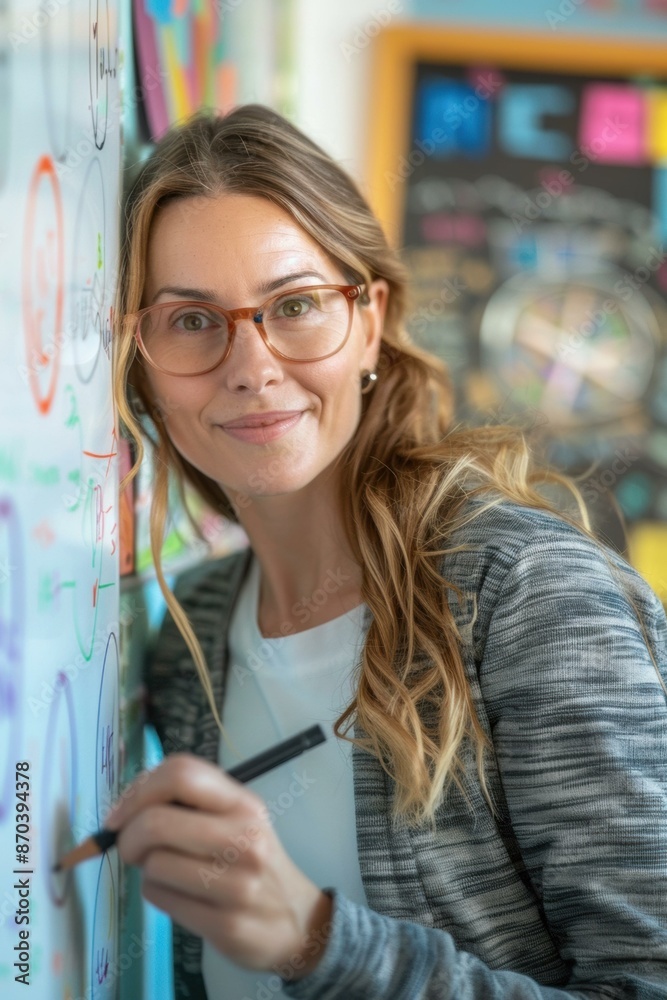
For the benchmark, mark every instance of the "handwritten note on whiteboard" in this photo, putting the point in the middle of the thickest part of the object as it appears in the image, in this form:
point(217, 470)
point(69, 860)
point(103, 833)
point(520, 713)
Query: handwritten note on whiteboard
point(60, 159)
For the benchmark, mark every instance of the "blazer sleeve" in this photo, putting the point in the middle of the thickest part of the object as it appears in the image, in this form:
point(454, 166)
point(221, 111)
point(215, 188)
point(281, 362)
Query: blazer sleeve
point(579, 728)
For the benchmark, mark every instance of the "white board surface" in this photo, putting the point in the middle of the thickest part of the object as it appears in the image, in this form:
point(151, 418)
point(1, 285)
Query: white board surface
point(60, 157)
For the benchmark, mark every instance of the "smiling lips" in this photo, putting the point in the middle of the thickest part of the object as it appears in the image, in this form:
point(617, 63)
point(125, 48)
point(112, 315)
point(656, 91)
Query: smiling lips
point(261, 419)
point(265, 427)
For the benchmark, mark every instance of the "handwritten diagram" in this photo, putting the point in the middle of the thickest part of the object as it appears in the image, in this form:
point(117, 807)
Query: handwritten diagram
point(102, 67)
point(106, 763)
point(91, 511)
point(89, 313)
point(60, 704)
point(104, 951)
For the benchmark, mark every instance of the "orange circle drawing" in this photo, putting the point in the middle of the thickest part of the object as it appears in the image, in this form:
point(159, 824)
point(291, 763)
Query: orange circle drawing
point(43, 282)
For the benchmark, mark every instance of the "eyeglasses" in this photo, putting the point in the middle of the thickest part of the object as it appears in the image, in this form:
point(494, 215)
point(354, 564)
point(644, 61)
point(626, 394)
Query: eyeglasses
point(193, 338)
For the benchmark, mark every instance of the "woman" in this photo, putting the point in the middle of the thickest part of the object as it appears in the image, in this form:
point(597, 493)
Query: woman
point(499, 669)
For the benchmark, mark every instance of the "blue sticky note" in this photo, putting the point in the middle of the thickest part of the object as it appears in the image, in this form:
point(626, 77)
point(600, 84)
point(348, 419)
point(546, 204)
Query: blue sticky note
point(521, 110)
point(452, 119)
point(159, 10)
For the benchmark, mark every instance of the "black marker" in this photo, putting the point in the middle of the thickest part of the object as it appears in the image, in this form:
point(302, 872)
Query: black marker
point(260, 764)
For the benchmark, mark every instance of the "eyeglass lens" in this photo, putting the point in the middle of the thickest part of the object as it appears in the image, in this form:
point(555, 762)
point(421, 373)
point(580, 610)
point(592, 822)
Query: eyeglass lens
point(187, 338)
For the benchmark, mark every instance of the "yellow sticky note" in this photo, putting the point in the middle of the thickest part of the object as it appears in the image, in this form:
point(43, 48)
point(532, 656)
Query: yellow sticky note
point(656, 124)
point(648, 554)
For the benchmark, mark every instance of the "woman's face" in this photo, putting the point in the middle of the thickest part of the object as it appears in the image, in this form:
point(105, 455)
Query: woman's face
point(231, 248)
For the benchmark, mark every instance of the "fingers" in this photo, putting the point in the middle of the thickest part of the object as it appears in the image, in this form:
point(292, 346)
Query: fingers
point(185, 779)
point(229, 932)
point(191, 832)
point(197, 915)
point(211, 880)
point(241, 916)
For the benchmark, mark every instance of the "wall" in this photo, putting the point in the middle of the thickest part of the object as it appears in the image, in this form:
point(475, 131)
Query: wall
point(605, 17)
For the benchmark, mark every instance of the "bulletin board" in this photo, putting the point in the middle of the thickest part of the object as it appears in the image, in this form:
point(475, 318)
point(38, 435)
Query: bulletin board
point(211, 53)
point(182, 59)
point(60, 682)
point(525, 178)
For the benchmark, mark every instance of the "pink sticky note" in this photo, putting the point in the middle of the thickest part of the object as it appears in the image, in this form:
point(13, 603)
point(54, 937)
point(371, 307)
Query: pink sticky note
point(612, 123)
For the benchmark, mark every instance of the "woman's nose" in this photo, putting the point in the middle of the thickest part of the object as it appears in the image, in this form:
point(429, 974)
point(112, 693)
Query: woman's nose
point(250, 364)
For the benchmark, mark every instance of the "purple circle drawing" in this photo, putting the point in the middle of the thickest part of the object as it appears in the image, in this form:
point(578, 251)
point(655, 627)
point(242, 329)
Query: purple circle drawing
point(104, 954)
point(106, 755)
point(59, 788)
point(12, 638)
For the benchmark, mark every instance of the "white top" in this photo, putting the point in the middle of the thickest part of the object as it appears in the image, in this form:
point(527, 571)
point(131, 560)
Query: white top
point(276, 688)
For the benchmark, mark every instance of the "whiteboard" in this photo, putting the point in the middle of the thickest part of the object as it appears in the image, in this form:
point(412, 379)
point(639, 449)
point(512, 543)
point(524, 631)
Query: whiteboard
point(60, 155)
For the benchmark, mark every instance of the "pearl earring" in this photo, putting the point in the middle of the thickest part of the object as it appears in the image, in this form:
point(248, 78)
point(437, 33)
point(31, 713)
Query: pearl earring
point(368, 380)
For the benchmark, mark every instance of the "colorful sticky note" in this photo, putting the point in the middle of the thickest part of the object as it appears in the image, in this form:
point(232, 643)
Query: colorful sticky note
point(520, 130)
point(612, 123)
point(452, 118)
point(647, 542)
point(656, 123)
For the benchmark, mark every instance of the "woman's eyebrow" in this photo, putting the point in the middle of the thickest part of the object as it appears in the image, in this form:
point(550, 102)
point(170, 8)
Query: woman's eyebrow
point(207, 295)
point(271, 286)
point(203, 294)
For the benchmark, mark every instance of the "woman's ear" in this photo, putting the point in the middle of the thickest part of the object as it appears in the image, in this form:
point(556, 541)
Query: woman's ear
point(374, 312)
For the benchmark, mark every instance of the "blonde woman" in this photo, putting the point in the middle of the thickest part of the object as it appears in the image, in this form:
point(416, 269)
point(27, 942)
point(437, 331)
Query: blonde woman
point(488, 818)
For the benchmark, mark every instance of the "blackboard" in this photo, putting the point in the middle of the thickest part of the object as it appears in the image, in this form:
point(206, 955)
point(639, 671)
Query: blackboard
point(525, 178)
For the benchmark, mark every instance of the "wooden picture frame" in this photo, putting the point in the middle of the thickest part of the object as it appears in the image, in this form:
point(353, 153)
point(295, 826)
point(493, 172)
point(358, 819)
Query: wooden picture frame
point(399, 48)
point(615, 426)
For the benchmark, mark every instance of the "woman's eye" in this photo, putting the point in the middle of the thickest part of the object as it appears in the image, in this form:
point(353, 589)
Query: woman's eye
point(192, 322)
point(293, 308)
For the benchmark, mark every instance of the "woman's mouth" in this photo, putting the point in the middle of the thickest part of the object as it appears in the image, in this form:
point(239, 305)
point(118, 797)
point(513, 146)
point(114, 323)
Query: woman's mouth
point(265, 432)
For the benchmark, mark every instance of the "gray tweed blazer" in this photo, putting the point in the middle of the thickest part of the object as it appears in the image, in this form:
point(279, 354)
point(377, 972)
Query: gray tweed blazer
point(563, 893)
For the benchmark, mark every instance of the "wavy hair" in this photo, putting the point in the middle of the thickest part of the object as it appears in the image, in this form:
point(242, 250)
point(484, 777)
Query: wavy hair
point(406, 474)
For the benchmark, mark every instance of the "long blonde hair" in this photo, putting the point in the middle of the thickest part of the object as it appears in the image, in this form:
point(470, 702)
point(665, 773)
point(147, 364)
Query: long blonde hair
point(406, 473)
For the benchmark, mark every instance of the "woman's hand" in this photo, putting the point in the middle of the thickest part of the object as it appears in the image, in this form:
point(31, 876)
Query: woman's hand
point(218, 868)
